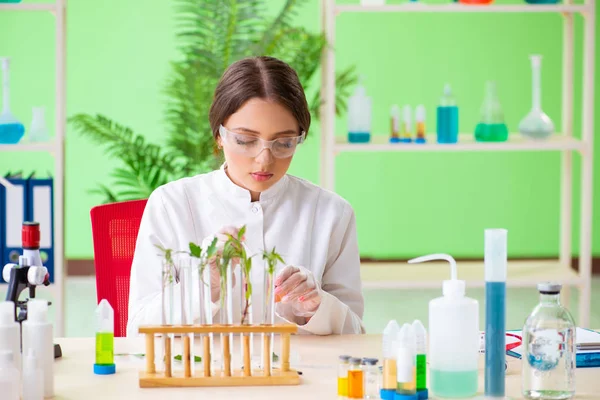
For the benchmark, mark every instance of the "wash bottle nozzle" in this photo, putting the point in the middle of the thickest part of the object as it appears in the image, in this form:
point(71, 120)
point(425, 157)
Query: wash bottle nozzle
point(452, 286)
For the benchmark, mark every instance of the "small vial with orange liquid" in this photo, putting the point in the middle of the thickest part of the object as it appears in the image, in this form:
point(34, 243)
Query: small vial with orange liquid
point(343, 376)
point(420, 118)
point(356, 381)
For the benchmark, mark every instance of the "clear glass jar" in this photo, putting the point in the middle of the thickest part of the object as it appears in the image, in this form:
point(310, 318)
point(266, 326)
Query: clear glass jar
point(549, 348)
point(343, 367)
point(372, 378)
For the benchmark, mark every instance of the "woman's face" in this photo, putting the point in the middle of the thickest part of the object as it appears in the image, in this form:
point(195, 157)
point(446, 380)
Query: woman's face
point(266, 120)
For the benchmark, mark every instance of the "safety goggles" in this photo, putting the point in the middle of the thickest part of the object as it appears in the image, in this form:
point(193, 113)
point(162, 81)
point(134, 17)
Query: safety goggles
point(252, 146)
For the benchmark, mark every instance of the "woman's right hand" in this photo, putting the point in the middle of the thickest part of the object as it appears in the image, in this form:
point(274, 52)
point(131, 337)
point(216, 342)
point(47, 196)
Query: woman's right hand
point(215, 275)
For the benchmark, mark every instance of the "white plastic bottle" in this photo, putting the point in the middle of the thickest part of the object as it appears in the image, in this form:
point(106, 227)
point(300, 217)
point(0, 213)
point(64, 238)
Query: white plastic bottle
point(33, 377)
point(453, 337)
point(38, 335)
point(10, 380)
point(406, 364)
point(359, 115)
point(10, 332)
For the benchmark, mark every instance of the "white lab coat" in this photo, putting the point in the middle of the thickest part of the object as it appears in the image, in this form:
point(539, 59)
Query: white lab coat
point(309, 226)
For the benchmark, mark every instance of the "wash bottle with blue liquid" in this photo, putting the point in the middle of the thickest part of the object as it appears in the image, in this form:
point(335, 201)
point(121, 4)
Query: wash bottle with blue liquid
point(453, 337)
point(359, 115)
point(11, 130)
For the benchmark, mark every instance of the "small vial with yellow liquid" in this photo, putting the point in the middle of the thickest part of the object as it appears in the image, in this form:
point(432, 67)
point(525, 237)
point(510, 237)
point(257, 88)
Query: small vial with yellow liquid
point(420, 118)
point(407, 125)
point(343, 376)
point(395, 124)
point(105, 327)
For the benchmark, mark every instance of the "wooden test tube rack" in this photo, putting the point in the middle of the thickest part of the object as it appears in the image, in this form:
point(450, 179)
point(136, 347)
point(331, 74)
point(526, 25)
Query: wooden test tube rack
point(151, 378)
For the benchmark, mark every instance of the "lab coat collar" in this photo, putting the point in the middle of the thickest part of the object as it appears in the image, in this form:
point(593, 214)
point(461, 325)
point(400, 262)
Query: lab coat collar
point(237, 191)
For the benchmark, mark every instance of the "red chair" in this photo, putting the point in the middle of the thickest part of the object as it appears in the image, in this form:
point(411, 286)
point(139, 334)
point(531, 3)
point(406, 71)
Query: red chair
point(114, 231)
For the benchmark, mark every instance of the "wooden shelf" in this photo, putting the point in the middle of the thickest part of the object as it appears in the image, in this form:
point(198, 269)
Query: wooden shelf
point(466, 142)
point(29, 146)
point(401, 275)
point(463, 8)
point(27, 6)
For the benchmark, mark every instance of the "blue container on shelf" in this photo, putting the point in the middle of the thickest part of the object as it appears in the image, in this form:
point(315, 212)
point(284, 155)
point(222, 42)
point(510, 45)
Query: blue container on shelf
point(447, 118)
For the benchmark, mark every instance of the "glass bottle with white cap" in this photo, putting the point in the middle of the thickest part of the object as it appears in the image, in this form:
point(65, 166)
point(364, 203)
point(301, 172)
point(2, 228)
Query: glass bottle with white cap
point(549, 348)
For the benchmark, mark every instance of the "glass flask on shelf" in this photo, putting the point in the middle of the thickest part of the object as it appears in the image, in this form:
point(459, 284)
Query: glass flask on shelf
point(491, 128)
point(536, 124)
point(38, 132)
point(11, 129)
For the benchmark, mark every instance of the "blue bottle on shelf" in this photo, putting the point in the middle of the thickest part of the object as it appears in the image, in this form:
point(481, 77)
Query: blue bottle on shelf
point(359, 116)
point(11, 130)
point(447, 118)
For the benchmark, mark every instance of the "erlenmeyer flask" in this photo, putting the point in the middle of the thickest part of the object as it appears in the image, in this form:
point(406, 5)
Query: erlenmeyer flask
point(491, 128)
point(536, 124)
point(11, 130)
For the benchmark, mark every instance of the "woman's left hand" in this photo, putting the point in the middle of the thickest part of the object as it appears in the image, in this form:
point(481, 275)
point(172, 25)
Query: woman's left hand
point(298, 287)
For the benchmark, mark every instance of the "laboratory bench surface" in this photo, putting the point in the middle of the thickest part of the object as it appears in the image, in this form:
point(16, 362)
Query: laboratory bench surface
point(315, 356)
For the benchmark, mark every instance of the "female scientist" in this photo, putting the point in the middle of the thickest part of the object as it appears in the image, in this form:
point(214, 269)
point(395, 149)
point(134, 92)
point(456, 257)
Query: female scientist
point(259, 116)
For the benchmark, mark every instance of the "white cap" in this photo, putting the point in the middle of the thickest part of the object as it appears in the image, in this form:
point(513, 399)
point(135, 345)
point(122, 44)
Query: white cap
point(536, 60)
point(447, 89)
point(6, 358)
point(105, 317)
point(395, 111)
point(37, 275)
point(407, 338)
point(7, 313)
point(37, 311)
point(452, 287)
point(420, 336)
point(5, 62)
point(390, 336)
point(495, 255)
point(420, 113)
point(405, 365)
point(6, 271)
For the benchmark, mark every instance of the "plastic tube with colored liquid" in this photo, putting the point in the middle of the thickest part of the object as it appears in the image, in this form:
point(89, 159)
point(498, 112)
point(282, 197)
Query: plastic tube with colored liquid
point(407, 125)
point(495, 312)
point(421, 338)
point(390, 338)
point(105, 361)
point(406, 368)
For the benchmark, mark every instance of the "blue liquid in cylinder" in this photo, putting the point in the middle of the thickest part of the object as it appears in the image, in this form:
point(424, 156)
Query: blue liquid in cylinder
point(495, 340)
point(447, 124)
point(11, 133)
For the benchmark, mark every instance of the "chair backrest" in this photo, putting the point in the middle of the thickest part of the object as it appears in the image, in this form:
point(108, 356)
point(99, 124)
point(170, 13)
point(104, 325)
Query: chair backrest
point(114, 231)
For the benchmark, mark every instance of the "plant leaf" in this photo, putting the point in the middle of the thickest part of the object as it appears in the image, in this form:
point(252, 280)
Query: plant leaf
point(195, 250)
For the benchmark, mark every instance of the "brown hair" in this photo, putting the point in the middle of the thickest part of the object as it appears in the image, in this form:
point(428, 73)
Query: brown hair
point(263, 77)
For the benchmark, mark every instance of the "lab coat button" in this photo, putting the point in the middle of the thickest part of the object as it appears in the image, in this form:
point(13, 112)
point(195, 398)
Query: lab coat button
point(254, 209)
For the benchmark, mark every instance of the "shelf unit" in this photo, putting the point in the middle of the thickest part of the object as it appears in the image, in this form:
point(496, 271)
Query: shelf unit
point(55, 147)
point(520, 274)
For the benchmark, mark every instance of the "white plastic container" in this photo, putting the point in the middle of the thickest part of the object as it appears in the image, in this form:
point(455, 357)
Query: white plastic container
point(453, 337)
point(38, 335)
point(33, 377)
point(390, 339)
point(10, 380)
point(10, 332)
point(359, 115)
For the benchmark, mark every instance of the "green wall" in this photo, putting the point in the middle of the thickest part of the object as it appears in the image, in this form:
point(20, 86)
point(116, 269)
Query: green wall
point(406, 204)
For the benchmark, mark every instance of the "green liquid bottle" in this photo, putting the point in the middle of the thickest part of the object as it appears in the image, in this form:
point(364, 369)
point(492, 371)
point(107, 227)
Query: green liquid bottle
point(105, 356)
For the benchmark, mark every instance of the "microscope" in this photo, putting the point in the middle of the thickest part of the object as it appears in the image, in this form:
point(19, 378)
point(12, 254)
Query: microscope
point(28, 274)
